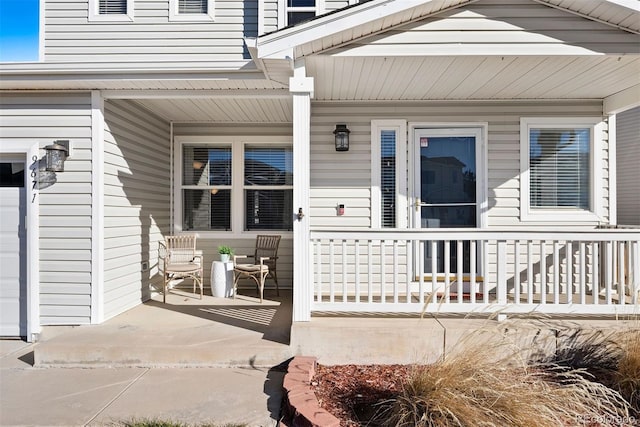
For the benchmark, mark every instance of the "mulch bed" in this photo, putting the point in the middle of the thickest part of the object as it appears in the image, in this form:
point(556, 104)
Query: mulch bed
point(354, 393)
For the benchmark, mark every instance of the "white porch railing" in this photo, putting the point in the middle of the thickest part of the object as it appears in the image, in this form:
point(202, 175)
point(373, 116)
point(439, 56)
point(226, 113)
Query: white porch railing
point(477, 271)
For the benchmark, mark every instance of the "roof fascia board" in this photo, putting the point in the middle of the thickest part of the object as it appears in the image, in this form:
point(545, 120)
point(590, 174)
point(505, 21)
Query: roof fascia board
point(197, 94)
point(279, 44)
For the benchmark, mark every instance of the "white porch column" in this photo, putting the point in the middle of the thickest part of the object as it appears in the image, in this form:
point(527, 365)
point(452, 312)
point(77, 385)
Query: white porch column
point(301, 88)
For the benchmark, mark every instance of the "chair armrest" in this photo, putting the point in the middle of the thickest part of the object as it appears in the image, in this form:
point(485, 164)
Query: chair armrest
point(264, 258)
point(235, 257)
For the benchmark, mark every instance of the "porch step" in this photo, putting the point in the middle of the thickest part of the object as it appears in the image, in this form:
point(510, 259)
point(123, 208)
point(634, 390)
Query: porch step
point(202, 333)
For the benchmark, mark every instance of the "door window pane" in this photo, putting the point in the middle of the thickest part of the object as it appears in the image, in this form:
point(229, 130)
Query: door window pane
point(448, 170)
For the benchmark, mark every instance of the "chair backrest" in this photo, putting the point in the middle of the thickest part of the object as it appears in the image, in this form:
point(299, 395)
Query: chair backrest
point(181, 249)
point(266, 246)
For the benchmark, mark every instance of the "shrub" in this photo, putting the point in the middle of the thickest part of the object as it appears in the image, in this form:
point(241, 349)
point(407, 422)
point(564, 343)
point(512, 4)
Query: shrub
point(470, 388)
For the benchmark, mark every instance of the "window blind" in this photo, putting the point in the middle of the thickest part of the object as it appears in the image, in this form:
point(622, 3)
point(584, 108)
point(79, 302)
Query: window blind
point(268, 208)
point(559, 163)
point(388, 177)
point(192, 6)
point(112, 7)
point(206, 165)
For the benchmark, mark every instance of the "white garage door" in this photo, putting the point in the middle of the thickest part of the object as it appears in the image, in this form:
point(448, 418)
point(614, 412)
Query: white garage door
point(13, 248)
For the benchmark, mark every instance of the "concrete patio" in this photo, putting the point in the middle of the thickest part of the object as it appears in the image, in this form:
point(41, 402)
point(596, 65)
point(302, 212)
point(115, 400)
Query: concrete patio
point(241, 332)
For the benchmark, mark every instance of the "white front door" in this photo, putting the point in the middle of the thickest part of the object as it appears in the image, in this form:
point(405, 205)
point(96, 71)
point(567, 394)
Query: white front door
point(13, 247)
point(446, 185)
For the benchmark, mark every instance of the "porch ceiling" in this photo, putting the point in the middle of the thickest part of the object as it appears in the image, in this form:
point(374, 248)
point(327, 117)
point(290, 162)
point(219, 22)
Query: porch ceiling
point(222, 110)
point(471, 77)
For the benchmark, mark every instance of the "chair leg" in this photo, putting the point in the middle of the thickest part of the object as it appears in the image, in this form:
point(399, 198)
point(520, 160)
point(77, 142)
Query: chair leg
point(275, 279)
point(164, 288)
point(236, 277)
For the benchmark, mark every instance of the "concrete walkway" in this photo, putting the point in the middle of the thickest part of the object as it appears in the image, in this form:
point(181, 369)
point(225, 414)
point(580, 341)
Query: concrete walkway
point(32, 396)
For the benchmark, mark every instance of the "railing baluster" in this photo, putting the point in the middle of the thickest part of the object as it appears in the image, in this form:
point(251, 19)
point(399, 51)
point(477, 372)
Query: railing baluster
point(383, 271)
point(332, 270)
point(516, 271)
point(434, 270)
point(595, 262)
point(357, 277)
point(421, 244)
point(635, 271)
point(530, 284)
point(447, 270)
point(472, 270)
point(485, 271)
point(556, 272)
point(344, 271)
point(407, 275)
point(501, 272)
point(608, 275)
point(543, 272)
point(396, 285)
point(370, 274)
point(460, 277)
point(582, 274)
point(319, 270)
point(620, 268)
point(569, 264)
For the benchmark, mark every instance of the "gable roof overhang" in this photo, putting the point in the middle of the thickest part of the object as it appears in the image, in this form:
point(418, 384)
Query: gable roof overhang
point(345, 52)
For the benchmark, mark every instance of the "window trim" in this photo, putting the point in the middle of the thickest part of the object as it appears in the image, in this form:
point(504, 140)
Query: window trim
point(237, 183)
point(174, 15)
point(594, 215)
point(95, 15)
point(400, 127)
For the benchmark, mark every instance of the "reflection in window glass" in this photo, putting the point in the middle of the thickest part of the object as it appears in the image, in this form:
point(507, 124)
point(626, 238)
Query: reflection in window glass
point(206, 209)
point(206, 165)
point(268, 209)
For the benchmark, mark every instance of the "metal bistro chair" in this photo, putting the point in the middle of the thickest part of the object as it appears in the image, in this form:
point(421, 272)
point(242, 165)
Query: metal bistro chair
point(265, 260)
point(178, 259)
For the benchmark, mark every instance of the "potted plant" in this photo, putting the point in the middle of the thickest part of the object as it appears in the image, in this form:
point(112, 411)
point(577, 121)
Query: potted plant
point(225, 253)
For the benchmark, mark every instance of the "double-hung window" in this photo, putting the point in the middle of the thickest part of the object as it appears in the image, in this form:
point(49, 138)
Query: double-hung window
point(560, 169)
point(191, 10)
point(111, 10)
point(237, 186)
point(300, 10)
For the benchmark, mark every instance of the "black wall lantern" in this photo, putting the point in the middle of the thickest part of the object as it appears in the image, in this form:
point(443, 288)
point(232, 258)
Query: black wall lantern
point(56, 154)
point(342, 137)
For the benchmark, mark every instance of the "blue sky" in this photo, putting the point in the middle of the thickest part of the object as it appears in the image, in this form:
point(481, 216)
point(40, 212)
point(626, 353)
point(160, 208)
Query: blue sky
point(19, 30)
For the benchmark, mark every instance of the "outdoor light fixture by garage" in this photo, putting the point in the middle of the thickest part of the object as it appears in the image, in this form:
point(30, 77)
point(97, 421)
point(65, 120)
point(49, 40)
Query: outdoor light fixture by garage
point(342, 137)
point(56, 154)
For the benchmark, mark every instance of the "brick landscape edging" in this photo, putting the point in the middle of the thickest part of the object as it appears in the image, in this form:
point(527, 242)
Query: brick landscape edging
point(300, 400)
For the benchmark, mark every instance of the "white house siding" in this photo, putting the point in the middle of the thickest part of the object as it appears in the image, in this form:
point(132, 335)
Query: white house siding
point(65, 206)
point(136, 202)
point(270, 16)
point(242, 244)
point(150, 41)
point(628, 159)
point(331, 5)
point(510, 27)
point(345, 177)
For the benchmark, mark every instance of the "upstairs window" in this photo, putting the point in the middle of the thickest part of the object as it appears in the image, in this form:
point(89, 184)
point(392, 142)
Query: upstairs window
point(111, 10)
point(191, 10)
point(300, 10)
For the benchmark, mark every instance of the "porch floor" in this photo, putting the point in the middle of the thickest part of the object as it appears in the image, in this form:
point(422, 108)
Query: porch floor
point(223, 332)
point(186, 331)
